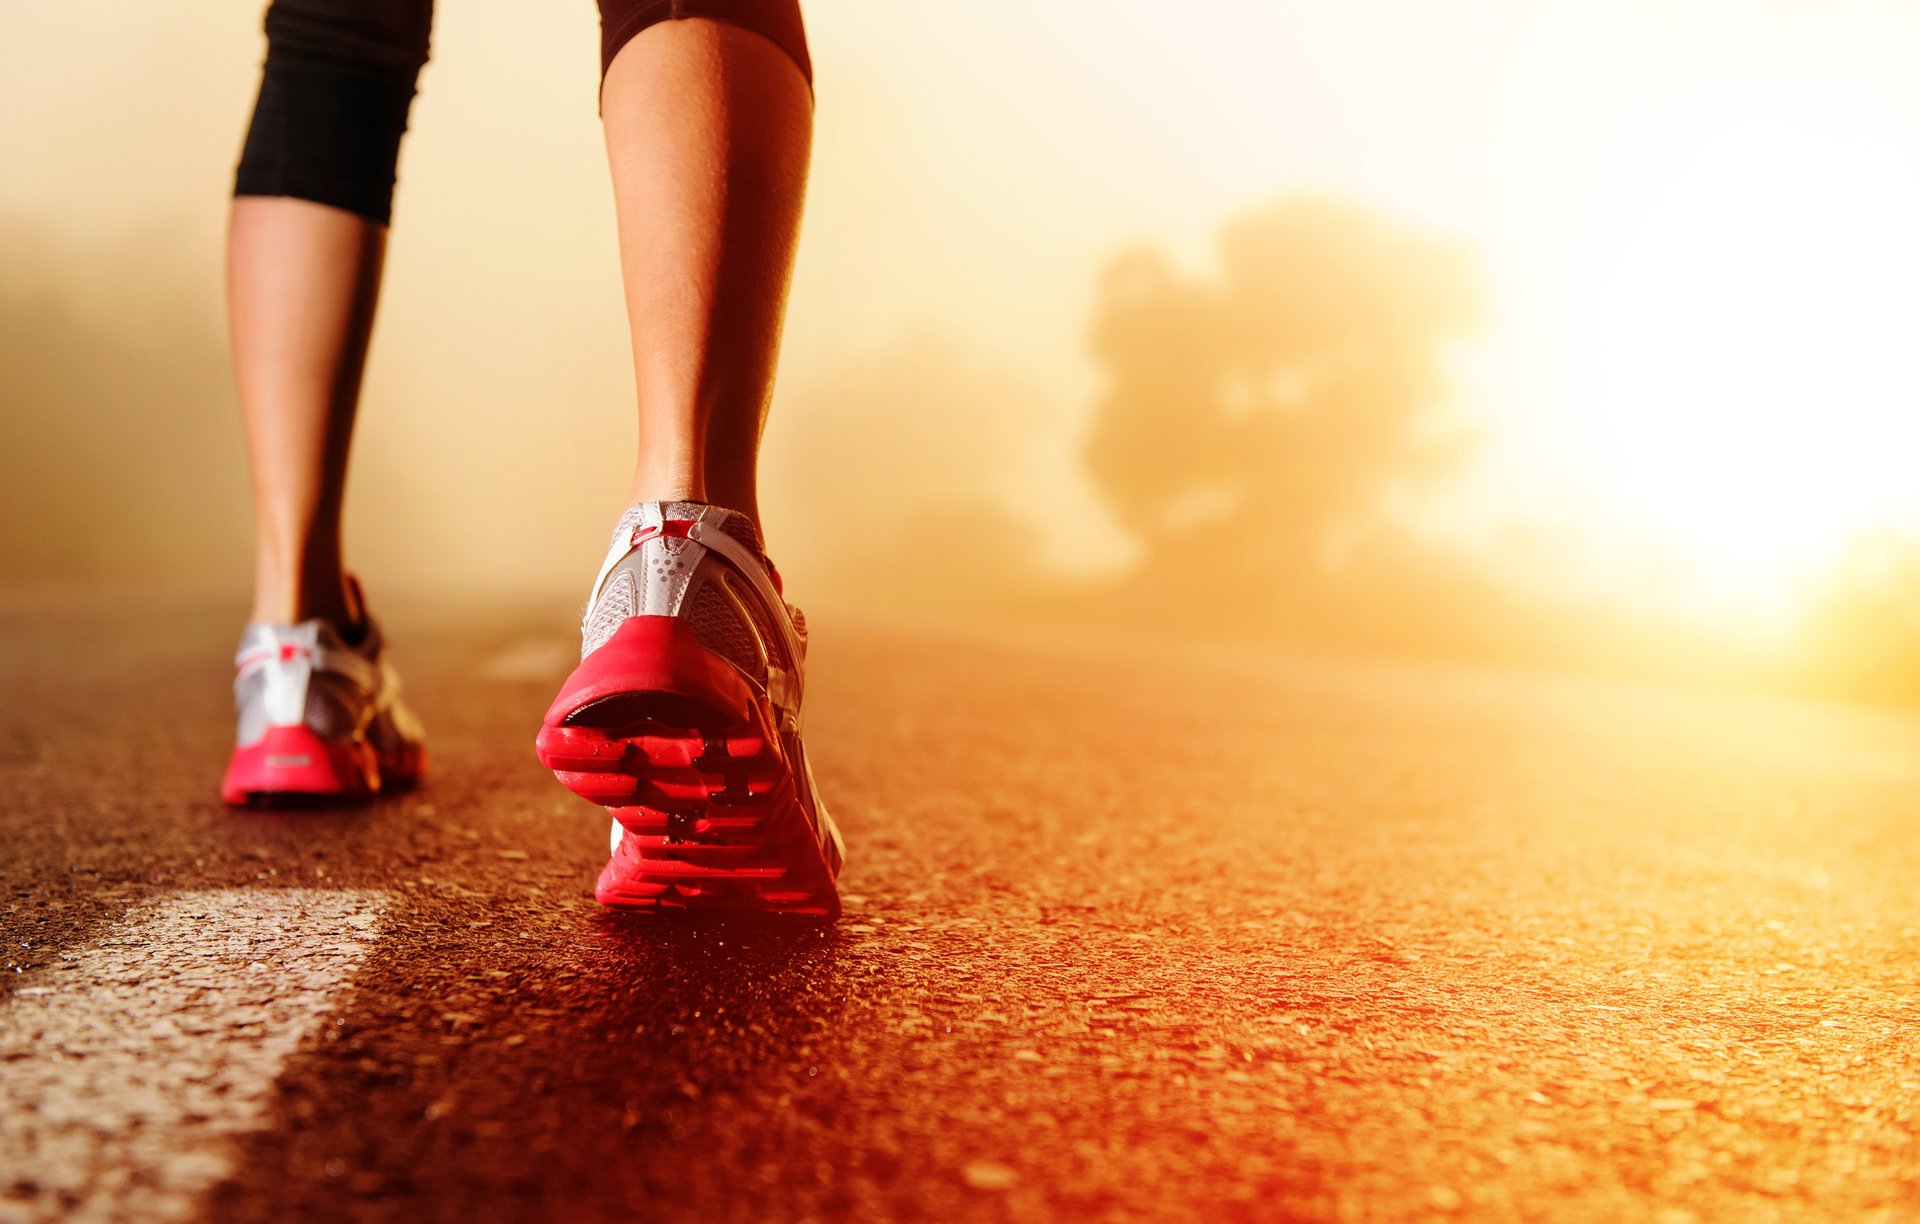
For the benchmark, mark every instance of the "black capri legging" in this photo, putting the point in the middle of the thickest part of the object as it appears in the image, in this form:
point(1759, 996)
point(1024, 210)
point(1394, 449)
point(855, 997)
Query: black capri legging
point(340, 74)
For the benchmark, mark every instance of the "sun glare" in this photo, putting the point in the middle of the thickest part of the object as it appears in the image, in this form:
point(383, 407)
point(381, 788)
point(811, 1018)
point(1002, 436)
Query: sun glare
point(1728, 280)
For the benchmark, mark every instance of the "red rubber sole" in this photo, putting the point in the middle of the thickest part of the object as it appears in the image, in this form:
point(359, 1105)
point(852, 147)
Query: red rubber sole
point(711, 821)
point(293, 763)
point(705, 792)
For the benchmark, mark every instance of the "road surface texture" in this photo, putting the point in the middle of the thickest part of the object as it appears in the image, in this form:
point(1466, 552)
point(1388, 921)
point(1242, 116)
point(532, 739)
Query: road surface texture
point(1132, 933)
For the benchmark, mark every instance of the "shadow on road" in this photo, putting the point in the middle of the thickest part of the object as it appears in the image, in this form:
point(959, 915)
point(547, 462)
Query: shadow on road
point(548, 1064)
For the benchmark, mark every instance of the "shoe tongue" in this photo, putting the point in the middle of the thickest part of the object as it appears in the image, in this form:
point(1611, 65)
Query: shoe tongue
point(735, 524)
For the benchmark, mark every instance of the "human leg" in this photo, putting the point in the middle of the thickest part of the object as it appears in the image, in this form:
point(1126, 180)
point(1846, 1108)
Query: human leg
point(683, 717)
point(306, 241)
point(302, 279)
point(708, 129)
point(318, 704)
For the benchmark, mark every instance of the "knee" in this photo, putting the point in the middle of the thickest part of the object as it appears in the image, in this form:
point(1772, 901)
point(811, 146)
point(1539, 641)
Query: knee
point(778, 21)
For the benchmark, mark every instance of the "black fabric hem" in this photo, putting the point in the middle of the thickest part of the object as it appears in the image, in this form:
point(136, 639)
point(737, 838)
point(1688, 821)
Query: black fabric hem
point(777, 21)
point(327, 132)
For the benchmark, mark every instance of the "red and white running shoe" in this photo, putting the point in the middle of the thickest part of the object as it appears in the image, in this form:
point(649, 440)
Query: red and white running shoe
point(683, 718)
point(318, 718)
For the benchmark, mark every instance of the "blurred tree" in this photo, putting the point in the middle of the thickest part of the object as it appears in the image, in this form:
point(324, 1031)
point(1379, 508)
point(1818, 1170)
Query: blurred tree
point(1276, 409)
point(901, 481)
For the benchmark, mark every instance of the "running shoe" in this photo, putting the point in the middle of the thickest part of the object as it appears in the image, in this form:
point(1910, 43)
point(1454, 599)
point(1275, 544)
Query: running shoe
point(683, 718)
point(319, 718)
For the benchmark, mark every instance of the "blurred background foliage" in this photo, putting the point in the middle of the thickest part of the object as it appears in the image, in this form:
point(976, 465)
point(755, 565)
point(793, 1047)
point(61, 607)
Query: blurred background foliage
point(1369, 330)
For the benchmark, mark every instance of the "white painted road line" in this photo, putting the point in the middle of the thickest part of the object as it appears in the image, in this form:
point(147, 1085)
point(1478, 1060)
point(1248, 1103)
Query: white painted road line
point(127, 1071)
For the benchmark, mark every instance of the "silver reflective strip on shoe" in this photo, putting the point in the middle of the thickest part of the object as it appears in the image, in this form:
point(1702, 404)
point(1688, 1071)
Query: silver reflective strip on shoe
point(783, 690)
point(754, 570)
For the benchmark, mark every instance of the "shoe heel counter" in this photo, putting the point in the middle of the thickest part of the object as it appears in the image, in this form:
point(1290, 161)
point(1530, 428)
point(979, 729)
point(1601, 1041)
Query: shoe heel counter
point(286, 676)
point(662, 567)
point(647, 573)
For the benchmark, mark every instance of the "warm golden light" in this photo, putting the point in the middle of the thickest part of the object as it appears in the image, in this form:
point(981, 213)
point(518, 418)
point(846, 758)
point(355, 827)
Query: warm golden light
point(1692, 227)
point(1724, 269)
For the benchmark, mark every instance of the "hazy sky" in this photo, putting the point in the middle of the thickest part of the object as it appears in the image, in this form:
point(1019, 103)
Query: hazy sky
point(1696, 222)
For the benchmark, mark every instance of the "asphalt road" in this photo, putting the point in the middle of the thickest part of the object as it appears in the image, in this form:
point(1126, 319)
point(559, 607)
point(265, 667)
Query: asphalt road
point(1131, 934)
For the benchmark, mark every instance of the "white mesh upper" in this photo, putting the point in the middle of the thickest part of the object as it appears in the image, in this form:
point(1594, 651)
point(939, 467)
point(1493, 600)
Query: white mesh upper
point(674, 575)
point(306, 674)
